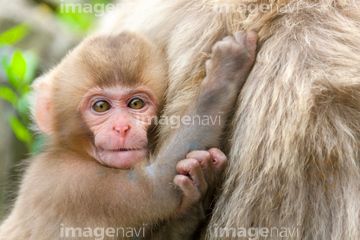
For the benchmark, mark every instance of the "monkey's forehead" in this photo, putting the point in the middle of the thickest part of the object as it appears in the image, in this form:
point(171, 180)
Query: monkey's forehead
point(126, 59)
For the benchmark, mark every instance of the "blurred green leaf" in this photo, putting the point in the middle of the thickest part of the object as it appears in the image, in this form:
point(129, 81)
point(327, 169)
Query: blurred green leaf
point(14, 35)
point(18, 65)
point(76, 21)
point(32, 63)
point(23, 105)
point(26, 89)
point(9, 95)
point(9, 74)
point(19, 129)
point(21, 71)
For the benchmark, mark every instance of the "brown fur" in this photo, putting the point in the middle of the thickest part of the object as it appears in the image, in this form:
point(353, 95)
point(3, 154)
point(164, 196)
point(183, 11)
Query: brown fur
point(294, 158)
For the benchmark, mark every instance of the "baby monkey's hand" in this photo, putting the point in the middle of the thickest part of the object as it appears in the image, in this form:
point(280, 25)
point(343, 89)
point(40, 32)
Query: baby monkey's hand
point(199, 174)
point(232, 59)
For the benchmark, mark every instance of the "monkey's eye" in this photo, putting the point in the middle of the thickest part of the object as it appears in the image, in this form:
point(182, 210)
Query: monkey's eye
point(101, 106)
point(136, 103)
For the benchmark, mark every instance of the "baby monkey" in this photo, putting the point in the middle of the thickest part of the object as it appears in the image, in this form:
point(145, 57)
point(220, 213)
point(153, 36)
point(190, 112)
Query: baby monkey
point(96, 106)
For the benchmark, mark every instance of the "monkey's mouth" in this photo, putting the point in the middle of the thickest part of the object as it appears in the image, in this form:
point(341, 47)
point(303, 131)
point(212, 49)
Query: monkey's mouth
point(122, 149)
point(121, 158)
point(127, 149)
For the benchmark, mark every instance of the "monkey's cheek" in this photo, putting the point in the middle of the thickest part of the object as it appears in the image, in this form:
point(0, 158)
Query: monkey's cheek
point(122, 159)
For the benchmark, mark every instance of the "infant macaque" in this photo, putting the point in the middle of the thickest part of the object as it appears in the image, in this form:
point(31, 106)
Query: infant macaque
point(96, 106)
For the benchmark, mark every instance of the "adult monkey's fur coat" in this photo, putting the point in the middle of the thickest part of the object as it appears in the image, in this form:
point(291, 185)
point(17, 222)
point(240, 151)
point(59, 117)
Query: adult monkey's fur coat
point(294, 139)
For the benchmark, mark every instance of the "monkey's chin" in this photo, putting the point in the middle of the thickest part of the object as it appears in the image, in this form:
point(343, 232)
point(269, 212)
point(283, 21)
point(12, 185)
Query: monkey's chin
point(121, 159)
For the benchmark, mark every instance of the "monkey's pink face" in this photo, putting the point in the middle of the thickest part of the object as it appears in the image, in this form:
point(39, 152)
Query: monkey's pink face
point(119, 118)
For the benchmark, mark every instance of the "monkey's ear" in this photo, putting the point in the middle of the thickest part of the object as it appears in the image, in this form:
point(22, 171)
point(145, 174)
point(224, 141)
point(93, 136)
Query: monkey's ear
point(42, 112)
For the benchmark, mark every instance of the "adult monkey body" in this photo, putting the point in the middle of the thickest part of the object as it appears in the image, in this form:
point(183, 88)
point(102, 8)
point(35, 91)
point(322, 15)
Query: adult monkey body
point(294, 154)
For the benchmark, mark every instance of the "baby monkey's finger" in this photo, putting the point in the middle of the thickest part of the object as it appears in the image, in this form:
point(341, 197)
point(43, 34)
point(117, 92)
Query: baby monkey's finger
point(206, 161)
point(191, 167)
point(220, 161)
point(191, 194)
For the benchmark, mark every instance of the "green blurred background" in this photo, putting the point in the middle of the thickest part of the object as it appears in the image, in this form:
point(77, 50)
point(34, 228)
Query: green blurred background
point(34, 36)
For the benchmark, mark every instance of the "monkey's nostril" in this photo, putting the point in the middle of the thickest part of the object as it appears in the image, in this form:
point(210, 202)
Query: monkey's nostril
point(121, 129)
